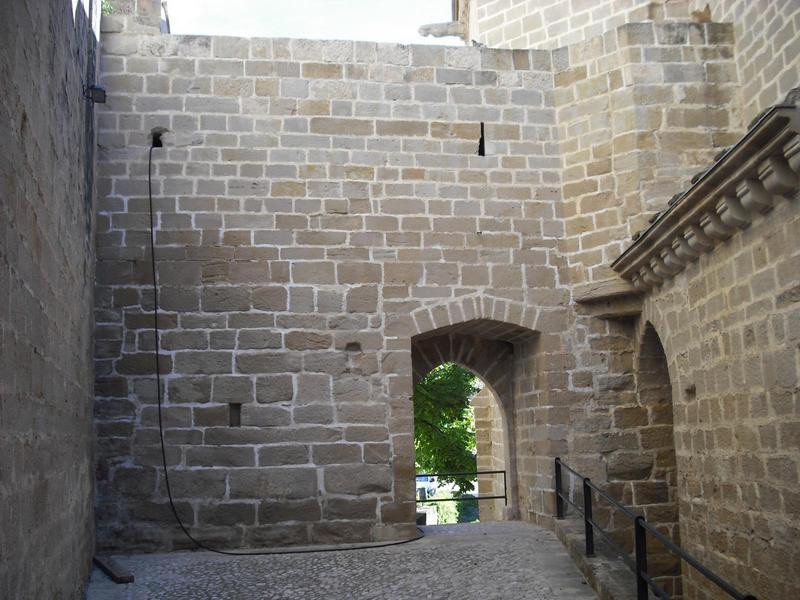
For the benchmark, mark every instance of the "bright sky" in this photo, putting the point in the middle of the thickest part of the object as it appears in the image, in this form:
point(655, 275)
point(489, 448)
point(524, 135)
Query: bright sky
point(369, 20)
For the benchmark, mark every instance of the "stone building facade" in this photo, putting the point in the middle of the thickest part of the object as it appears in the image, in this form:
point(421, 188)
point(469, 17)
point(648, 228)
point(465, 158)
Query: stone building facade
point(557, 212)
point(327, 232)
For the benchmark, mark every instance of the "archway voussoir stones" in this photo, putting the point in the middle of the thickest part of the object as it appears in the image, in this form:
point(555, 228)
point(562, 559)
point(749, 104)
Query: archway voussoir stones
point(423, 321)
point(441, 317)
point(488, 336)
point(468, 309)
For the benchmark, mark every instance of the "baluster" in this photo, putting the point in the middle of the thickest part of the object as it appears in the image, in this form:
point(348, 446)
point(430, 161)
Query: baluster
point(587, 517)
point(641, 558)
point(559, 500)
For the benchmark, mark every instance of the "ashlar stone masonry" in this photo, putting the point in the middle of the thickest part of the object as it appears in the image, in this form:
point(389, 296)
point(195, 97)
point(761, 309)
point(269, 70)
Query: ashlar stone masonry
point(326, 233)
point(309, 197)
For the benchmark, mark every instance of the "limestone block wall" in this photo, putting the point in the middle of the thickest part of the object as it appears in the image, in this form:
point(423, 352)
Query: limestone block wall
point(491, 453)
point(323, 213)
point(551, 23)
point(46, 282)
point(310, 197)
point(641, 109)
point(765, 31)
point(767, 49)
point(730, 329)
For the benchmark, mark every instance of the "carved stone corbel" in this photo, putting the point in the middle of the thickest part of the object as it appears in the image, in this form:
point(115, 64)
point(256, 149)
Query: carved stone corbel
point(683, 250)
point(650, 277)
point(791, 151)
point(754, 196)
point(672, 260)
point(639, 283)
point(714, 228)
point(732, 213)
point(777, 177)
point(697, 239)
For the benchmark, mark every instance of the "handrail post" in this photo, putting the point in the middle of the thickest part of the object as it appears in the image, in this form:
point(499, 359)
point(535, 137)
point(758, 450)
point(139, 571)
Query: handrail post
point(587, 517)
point(559, 500)
point(640, 540)
point(505, 488)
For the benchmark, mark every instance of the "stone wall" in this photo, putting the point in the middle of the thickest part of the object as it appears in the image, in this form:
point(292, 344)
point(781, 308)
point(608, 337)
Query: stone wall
point(640, 109)
point(767, 47)
point(730, 324)
point(552, 23)
point(766, 35)
point(490, 437)
point(327, 231)
point(46, 282)
point(310, 196)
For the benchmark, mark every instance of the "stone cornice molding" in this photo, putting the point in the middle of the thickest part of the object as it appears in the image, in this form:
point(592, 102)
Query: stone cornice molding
point(747, 179)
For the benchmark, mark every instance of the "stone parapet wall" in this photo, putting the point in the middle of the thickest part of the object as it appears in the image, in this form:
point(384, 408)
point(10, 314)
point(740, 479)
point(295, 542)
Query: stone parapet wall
point(46, 282)
point(767, 49)
point(555, 24)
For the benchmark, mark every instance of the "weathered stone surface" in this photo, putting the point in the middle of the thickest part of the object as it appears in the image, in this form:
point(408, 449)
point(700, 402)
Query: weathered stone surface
point(285, 483)
point(629, 465)
point(274, 388)
point(358, 479)
point(47, 275)
point(282, 511)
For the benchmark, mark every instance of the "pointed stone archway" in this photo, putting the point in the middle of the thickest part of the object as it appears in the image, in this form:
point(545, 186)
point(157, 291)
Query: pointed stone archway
point(492, 360)
point(494, 338)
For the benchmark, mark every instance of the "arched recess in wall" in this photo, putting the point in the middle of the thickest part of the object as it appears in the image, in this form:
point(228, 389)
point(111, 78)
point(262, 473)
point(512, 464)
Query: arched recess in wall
point(655, 491)
point(488, 348)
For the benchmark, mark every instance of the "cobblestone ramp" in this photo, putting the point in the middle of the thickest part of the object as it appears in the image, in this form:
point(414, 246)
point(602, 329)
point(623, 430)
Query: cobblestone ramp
point(480, 561)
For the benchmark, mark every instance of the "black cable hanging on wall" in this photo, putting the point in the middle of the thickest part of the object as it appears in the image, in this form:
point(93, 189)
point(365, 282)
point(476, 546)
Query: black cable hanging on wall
point(157, 143)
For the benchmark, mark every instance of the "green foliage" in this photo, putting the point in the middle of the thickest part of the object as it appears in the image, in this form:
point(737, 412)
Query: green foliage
point(455, 512)
point(444, 424)
point(446, 512)
point(468, 511)
point(105, 7)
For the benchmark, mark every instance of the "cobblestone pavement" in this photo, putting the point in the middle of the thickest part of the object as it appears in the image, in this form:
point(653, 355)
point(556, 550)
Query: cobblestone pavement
point(483, 561)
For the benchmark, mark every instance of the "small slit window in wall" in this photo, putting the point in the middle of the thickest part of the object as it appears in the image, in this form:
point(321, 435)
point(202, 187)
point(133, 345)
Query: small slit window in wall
point(235, 415)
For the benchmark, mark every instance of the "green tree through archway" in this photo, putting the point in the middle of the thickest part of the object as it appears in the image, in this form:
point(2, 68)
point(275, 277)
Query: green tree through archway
point(444, 423)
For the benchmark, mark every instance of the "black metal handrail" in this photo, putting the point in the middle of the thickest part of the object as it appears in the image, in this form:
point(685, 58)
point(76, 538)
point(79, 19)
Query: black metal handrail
point(504, 497)
point(641, 529)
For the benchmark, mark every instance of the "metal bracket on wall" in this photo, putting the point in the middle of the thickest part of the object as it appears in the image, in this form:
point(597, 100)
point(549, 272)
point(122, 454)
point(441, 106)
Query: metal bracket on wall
point(95, 93)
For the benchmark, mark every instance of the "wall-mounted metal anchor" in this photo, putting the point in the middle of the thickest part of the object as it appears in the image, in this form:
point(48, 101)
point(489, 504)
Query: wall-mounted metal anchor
point(95, 93)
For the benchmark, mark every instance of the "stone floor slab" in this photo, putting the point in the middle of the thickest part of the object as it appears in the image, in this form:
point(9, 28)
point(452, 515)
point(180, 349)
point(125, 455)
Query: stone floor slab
point(485, 561)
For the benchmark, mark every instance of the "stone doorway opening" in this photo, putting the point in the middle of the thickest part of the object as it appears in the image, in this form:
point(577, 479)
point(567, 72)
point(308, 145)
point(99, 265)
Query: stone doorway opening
point(495, 352)
point(459, 428)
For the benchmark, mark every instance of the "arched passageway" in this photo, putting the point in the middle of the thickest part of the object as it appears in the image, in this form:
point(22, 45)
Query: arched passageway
point(487, 348)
